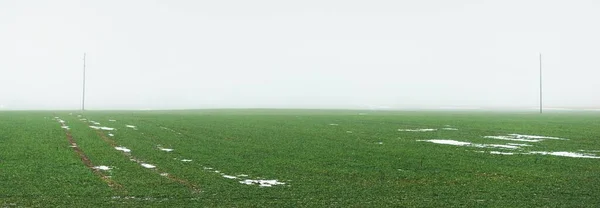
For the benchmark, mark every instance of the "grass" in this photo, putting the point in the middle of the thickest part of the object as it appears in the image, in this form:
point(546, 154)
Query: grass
point(322, 165)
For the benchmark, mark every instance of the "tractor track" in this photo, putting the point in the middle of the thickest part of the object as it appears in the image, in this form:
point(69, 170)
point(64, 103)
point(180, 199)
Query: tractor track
point(87, 162)
point(193, 187)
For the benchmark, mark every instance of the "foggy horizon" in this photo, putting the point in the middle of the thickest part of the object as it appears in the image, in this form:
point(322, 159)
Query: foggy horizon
point(330, 54)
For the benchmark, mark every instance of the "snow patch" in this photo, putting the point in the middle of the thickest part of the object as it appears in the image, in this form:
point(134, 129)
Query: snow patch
point(131, 126)
point(102, 128)
point(568, 154)
point(186, 160)
point(146, 165)
point(102, 167)
point(520, 145)
point(501, 153)
point(166, 150)
point(523, 138)
point(459, 143)
point(124, 149)
point(450, 129)
point(229, 177)
point(262, 183)
point(417, 130)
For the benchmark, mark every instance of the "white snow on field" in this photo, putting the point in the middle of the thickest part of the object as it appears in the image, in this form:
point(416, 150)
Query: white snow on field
point(102, 167)
point(334, 124)
point(124, 149)
point(417, 130)
point(450, 129)
point(102, 128)
point(229, 177)
point(131, 126)
point(262, 183)
point(95, 123)
point(445, 141)
point(568, 154)
point(501, 153)
point(164, 174)
point(349, 132)
point(459, 143)
point(511, 138)
point(146, 165)
point(61, 121)
point(520, 145)
point(166, 150)
point(65, 127)
point(523, 138)
point(112, 135)
point(112, 120)
point(535, 137)
point(186, 160)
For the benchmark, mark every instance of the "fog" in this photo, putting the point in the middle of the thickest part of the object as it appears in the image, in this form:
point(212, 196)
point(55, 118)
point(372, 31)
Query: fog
point(376, 54)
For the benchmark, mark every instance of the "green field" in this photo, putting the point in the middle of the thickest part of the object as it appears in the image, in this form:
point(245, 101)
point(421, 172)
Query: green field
point(319, 158)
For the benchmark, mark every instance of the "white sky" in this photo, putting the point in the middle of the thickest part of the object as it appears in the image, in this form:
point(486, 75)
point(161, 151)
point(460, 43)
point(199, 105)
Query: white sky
point(298, 54)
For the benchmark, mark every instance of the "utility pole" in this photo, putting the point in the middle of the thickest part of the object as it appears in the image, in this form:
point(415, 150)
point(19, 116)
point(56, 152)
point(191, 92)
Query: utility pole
point(540, 83)
point(83, 98)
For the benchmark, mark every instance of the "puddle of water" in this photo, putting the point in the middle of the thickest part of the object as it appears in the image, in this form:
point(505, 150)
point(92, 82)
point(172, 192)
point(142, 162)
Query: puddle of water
point(262, 183)
point(124, 149)
point(417, 130)
point(103, 128)
point(186, 160)
point(146, 165)
point(459, 143)
point(102, 167)
point(229, 177)
point(568, 154)
point(166, 150)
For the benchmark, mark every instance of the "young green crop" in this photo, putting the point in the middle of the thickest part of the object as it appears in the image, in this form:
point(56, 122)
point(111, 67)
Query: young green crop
point(325, 158)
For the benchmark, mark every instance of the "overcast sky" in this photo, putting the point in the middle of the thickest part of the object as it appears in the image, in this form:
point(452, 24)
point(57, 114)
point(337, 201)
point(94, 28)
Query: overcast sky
point(168, 54)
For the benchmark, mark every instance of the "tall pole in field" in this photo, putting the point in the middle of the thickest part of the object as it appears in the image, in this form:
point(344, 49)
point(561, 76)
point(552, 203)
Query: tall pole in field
point(540, 83)
point(83, 97)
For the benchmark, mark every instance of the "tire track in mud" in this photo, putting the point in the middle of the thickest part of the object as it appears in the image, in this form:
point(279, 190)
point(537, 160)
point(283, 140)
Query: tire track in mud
point(86, 161)
point(193, 187)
